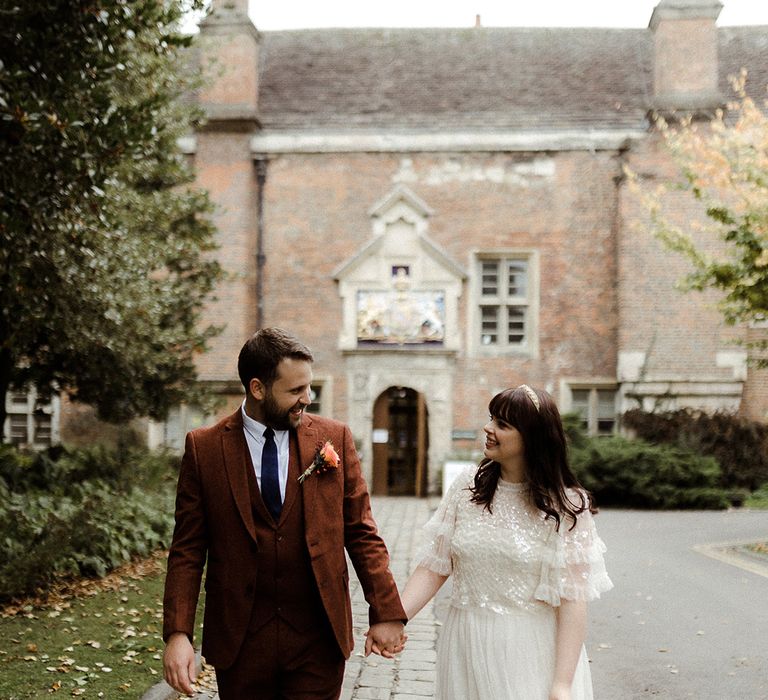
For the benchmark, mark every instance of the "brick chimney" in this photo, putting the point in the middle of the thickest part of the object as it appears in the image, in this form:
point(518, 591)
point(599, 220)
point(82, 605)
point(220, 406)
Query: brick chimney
point(229, 46)
point(685, 69)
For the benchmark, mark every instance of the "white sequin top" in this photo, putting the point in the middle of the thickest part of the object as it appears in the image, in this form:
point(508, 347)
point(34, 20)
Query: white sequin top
point(512, 558)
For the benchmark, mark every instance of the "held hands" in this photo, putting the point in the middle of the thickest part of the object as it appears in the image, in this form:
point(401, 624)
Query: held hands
point(385, 639)
point(179, 663)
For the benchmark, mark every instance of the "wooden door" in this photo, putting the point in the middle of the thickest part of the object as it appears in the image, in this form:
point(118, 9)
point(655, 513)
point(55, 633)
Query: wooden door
point(400, 443)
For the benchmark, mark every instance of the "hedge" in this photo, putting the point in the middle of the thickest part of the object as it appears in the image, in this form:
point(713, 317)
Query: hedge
point(79, 513)
point(636, 474)
point(740, 446)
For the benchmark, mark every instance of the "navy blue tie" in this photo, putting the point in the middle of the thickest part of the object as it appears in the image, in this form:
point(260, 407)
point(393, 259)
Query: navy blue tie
point(270, 482)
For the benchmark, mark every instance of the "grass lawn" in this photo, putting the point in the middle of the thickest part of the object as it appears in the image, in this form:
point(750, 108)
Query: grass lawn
point(98, 639)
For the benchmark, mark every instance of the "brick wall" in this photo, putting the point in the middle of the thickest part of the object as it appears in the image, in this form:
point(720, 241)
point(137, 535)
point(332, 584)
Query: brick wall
point(316, 218)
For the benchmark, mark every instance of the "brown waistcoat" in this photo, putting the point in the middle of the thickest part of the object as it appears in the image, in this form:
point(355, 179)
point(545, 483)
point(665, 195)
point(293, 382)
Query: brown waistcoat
point(285, 582)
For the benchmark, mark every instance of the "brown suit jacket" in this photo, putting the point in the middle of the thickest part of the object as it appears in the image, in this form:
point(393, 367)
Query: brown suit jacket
point(215, 521)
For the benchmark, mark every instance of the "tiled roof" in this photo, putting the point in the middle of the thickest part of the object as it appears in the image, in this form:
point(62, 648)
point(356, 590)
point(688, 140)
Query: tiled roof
point(478, 78)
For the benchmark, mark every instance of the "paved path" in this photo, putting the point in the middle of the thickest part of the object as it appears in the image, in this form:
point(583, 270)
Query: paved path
point(679, 624)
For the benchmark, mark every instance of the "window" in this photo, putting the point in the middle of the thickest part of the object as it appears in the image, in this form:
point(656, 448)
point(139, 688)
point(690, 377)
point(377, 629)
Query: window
point(31, 421)
point(597, 408)
point(504, 302)
point(181, 419)
point(321, 396)
point(316, 394)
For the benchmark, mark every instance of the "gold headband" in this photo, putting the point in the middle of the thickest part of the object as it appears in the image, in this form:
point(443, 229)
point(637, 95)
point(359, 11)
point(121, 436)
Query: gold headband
point(531, 395)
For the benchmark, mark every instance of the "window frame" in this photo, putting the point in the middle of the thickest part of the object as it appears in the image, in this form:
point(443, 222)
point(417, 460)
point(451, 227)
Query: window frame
point(30, 410)
point(568, 386)
point(325, 395)
point(503, 301)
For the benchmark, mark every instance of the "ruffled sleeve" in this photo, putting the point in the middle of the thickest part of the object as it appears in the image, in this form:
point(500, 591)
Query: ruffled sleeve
point(435, 553)
point(573, 567)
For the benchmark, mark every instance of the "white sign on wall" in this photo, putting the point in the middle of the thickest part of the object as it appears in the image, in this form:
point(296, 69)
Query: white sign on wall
point(380, 436)
point(451, 470)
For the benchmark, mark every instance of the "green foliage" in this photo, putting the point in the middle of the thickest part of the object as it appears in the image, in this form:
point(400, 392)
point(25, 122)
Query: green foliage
point(79, 513)
point(740, 446)
point(574, 431)
point(758, 499)
point(635, 474)
point(104, 245)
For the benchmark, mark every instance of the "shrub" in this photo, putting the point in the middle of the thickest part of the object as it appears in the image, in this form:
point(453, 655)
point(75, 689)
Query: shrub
point(739, 445)
point(636, 474)
point(79, 512)
point(758, 499)
point(59, 468)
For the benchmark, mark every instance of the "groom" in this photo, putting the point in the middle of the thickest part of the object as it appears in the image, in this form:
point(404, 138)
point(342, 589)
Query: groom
point(272, 497)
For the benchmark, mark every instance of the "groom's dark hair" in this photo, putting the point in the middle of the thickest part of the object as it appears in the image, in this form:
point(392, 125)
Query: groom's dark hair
point(264, 351)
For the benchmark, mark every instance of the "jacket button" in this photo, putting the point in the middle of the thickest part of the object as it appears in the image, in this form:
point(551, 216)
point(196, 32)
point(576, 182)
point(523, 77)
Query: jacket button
point(279, 538)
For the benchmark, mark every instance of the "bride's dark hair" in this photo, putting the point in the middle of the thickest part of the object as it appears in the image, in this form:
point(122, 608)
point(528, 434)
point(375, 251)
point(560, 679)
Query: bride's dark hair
point(548, 473)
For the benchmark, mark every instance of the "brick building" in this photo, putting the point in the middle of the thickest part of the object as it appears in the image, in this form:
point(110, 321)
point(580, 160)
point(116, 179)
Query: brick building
point(441, 213)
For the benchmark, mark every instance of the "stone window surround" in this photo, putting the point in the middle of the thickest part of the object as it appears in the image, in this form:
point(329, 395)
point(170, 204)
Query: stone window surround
point(531, 346)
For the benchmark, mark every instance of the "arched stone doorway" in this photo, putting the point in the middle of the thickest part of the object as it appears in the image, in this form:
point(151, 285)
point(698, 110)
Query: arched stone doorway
point(400, 443)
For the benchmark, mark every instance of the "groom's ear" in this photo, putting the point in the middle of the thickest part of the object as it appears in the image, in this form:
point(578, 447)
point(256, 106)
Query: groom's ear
point(257, 389)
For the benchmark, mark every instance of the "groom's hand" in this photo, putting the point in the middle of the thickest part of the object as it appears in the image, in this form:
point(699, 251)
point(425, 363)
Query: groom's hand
point(385, 638)
point(179, 663)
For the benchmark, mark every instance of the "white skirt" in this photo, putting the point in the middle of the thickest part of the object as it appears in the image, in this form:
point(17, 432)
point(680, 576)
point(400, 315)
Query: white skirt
point(482, 655)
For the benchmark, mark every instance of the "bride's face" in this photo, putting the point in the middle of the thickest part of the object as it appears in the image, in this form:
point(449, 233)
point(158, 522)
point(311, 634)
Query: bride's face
point(503, 442)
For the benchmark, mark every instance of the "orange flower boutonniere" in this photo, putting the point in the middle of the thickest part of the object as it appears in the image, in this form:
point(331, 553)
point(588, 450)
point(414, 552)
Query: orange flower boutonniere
point(326, 458)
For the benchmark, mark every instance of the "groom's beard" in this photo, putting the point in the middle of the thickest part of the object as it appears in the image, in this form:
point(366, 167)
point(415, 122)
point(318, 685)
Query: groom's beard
point(279, 418)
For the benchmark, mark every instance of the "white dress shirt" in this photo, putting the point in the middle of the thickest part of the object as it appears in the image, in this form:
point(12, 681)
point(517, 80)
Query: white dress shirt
point(254, 436)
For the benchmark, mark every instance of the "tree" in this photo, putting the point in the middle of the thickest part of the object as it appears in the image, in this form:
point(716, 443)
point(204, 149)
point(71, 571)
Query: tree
point(723, 165)
point(105, 261)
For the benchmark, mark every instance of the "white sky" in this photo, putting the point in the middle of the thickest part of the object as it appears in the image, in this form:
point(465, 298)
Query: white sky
point(300, 14)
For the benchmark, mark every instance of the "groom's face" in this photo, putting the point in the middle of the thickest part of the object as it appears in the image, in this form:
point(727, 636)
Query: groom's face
point(284, 402)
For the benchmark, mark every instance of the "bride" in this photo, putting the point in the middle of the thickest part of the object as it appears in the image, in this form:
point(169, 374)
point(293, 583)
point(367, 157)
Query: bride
point(517, 534)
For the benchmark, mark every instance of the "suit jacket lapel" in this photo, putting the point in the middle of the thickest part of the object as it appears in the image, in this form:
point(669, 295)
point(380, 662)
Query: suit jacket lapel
point(308, 442)
point(237, 461)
